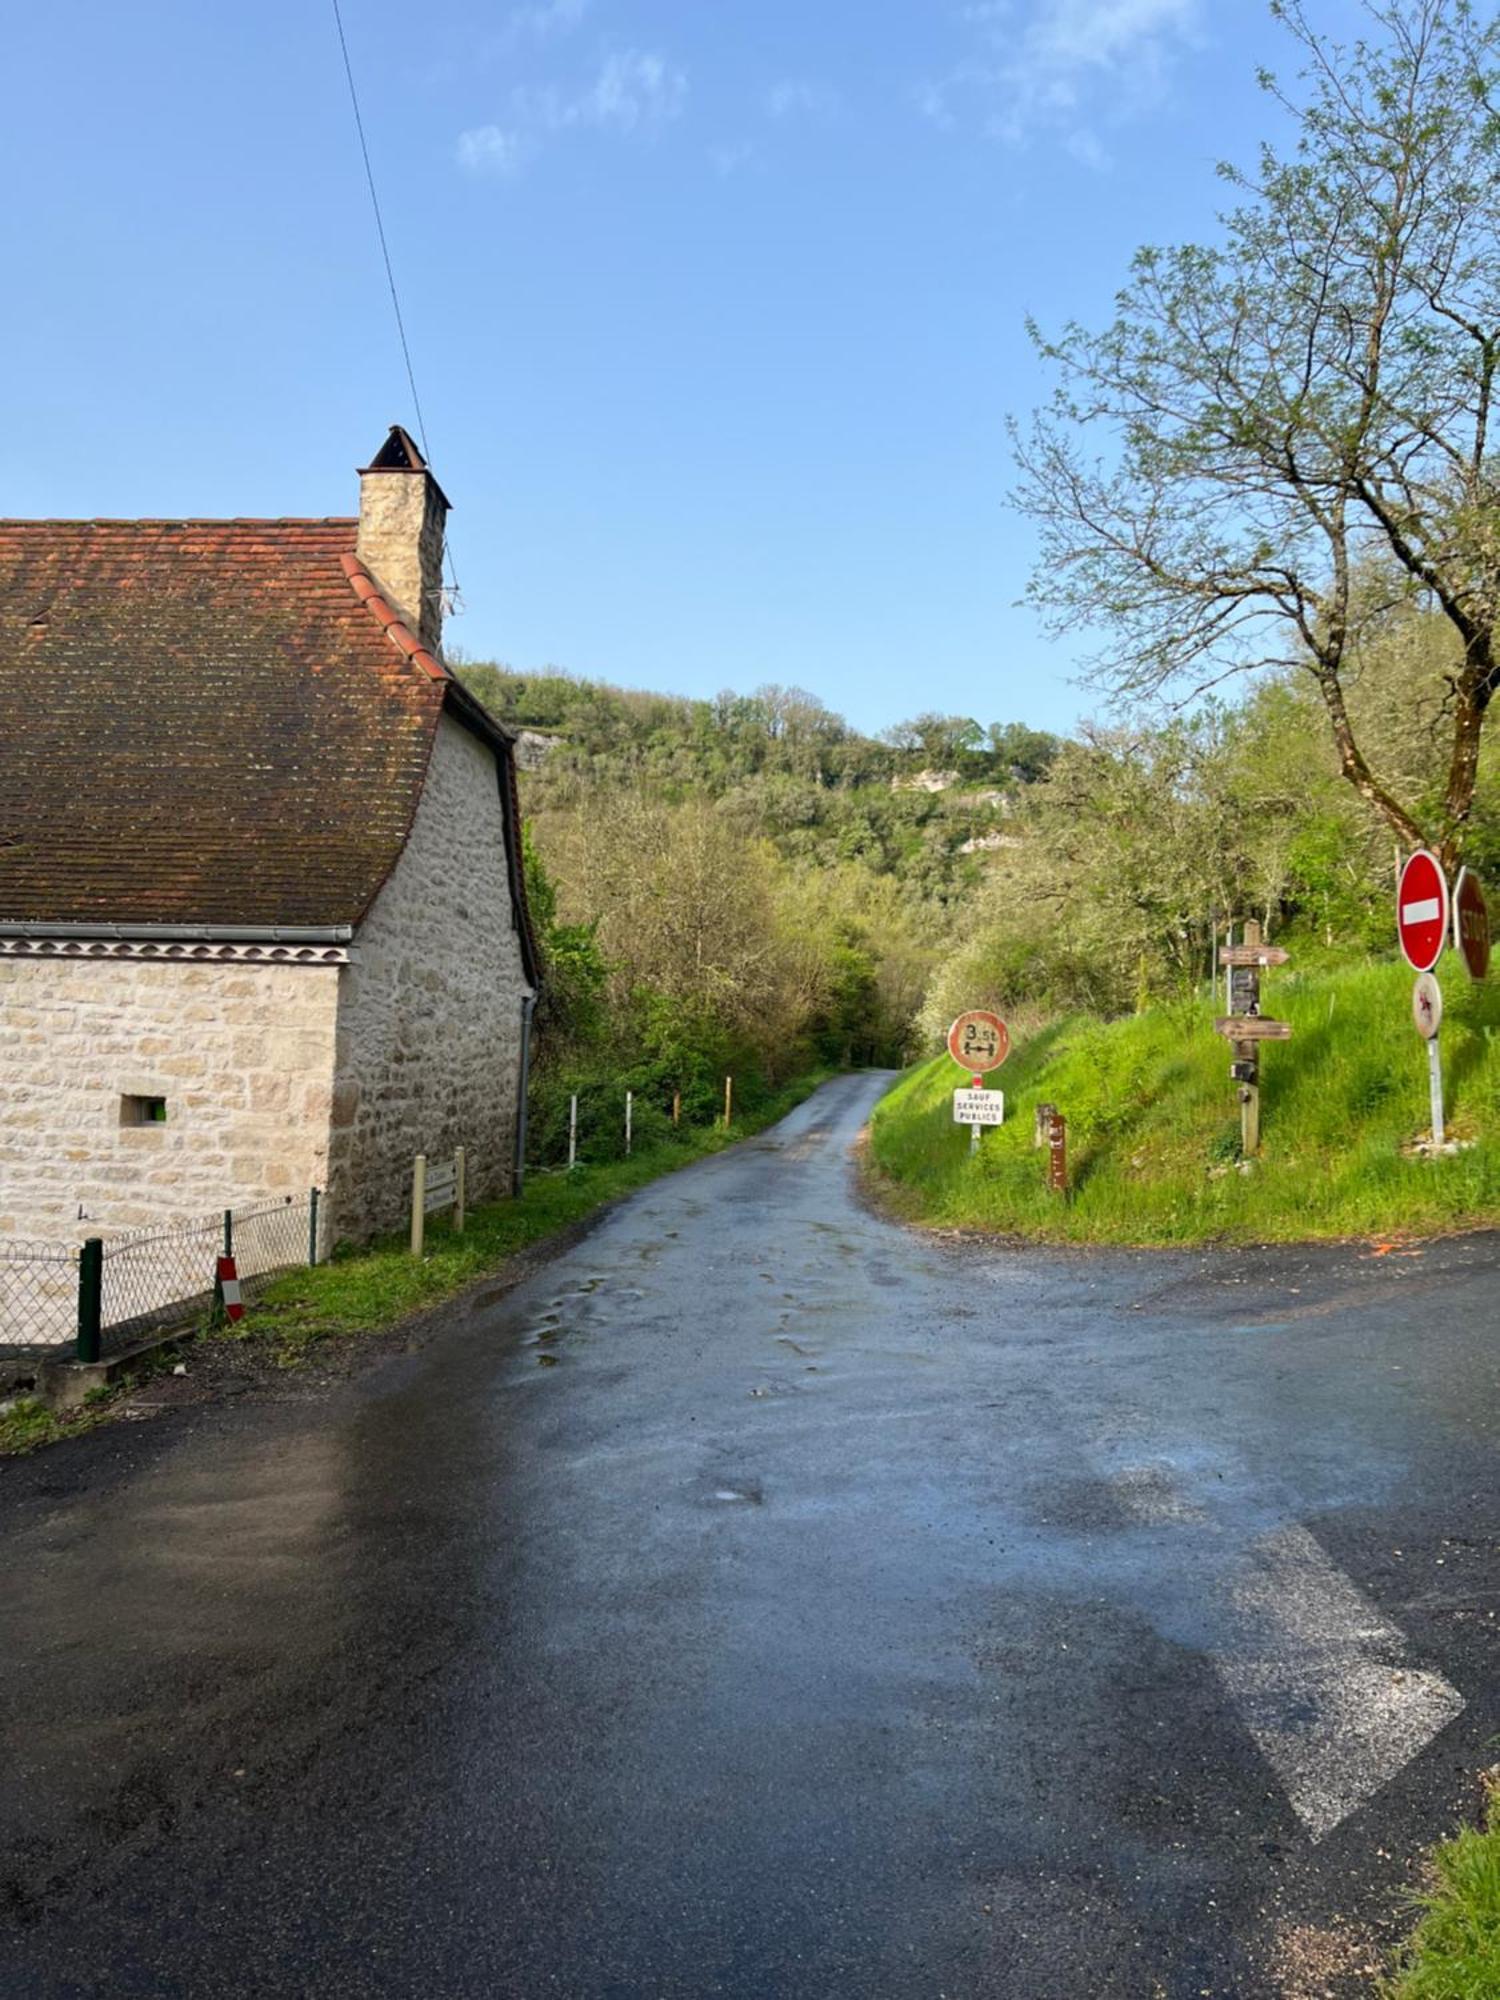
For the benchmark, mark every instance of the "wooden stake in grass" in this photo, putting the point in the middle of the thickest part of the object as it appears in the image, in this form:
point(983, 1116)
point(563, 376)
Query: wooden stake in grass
point(418, 1202)
point(728, 1102)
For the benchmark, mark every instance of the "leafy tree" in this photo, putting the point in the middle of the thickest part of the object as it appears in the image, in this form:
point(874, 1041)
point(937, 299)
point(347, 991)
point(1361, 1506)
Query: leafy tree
point(1304, 404)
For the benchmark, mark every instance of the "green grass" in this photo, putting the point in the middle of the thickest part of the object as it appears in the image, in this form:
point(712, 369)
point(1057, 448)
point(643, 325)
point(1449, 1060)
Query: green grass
point(28, 1423)
point(367, 1290)
point(1153, 1123)
point(1454, 1953)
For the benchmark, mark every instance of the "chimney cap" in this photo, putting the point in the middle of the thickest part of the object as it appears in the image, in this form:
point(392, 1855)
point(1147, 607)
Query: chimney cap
point(399, 453)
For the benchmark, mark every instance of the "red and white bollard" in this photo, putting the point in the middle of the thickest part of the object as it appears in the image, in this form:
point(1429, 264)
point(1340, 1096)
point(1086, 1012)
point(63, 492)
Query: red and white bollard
point(229, 1289)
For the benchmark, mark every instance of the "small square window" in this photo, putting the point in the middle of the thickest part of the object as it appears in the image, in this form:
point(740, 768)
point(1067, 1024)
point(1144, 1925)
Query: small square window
point(143, 1111)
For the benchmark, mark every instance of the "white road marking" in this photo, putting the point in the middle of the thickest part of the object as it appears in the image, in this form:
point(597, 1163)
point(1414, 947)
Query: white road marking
point(1325, 1682)
point(1426, 912)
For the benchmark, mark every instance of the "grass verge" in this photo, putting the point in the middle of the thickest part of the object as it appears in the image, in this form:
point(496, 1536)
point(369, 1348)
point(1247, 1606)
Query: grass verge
point(1153, 1124)
point(368, 1290)
point(1454, 1954)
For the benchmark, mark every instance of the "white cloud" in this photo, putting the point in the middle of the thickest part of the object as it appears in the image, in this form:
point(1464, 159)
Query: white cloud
point(540, 22)
point(633, 94)
point(1064, 66)
point(634, 91)
point(489, 149)
point(794, 96)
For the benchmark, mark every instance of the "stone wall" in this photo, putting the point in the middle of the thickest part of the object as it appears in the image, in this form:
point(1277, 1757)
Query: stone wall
point(243, 1055)
point(429, 1033)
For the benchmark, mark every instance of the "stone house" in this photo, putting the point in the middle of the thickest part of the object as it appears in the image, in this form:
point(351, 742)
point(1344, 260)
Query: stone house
point(262, 914)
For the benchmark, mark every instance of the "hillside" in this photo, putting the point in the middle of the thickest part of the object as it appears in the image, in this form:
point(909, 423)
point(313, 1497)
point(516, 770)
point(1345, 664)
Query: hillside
point(1154, 1130)
point(923, 803)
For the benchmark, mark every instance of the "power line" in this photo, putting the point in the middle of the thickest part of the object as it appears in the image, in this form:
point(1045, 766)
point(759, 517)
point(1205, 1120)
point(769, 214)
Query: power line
point(390, 275)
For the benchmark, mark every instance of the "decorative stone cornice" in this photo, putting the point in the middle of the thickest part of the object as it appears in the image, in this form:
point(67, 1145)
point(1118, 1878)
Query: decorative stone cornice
point(177, 951)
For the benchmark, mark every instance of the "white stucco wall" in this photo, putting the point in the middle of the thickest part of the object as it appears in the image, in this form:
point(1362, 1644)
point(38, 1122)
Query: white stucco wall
point(429, 1029)
point(243, 1054)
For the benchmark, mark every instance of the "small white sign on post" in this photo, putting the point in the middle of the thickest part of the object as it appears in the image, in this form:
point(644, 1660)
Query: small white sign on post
point(979, 1107)
point(440, 1185)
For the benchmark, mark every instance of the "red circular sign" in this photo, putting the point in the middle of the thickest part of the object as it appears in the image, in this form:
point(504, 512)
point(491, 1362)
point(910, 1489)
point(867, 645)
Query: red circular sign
point(1471, 924)
point(979, 1042)
point(1422, 911)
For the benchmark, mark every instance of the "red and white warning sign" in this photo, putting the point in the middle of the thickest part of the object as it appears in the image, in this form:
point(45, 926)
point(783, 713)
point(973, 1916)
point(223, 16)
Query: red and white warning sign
point(1422, 911)
point(979, 1042)
point(229, 1288)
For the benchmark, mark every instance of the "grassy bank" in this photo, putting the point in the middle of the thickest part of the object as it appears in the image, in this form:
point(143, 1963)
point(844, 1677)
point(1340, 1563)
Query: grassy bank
point(1153, 1123)
point(1455, 1951)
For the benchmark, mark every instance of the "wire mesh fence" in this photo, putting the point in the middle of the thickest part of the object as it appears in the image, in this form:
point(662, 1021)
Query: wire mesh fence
point(153, 1278)
point(100, 1296)
point(38, 1304)
point(273, 1237)
point(156, 1277)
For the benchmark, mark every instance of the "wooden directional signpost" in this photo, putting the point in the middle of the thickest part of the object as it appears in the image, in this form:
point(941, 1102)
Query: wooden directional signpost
point(1245, 1028)
point(978, 1042)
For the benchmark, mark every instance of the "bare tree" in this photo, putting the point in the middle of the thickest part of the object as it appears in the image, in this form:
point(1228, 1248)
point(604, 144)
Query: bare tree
point(1271, 419)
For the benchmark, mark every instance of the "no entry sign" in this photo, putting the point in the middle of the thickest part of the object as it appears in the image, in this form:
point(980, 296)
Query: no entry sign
point(979, 1042)
point(1471, 924)
point(1422, 911)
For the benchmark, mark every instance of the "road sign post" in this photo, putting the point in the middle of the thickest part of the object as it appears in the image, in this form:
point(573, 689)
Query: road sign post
point(1427, 1012)
point(1424, 916)
point(978, 1042)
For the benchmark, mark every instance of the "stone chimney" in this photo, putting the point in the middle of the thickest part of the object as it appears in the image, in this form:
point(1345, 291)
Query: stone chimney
point(402, 512)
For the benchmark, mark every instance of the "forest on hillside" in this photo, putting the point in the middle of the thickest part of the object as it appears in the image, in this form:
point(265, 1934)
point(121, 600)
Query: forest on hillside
point(748, 886)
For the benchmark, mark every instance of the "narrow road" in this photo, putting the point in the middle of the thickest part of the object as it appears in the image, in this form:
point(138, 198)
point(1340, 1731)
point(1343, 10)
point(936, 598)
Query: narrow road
point(766, 1602)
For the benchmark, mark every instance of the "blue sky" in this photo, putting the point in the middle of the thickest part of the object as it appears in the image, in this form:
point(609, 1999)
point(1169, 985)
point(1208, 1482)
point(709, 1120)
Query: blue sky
point(716, 305)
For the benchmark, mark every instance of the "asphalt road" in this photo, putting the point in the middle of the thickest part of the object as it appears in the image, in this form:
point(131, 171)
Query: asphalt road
point(763, 1601)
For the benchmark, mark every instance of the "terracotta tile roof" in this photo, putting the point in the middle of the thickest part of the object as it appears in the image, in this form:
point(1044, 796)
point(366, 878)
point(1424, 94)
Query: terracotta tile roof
point(201, 722)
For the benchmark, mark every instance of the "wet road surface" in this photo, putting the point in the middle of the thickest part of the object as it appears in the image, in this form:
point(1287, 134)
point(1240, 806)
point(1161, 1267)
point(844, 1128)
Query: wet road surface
point(764, 1601)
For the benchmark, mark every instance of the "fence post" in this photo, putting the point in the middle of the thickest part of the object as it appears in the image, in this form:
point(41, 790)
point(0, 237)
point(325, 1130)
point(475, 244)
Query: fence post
point(418, 1202)
point(728, 1102)
point(676, 1107)
point(90, 1297)
point(629, 1119)
point(572, 1133)
point(460, 1170)
point(312, 1226)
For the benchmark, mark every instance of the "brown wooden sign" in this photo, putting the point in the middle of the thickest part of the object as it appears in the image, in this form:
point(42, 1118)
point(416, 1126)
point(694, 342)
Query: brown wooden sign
point(1253, 954)
point(1251, 1028)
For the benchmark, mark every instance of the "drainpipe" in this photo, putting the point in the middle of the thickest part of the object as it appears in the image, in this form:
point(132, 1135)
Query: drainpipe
point(527, 1005)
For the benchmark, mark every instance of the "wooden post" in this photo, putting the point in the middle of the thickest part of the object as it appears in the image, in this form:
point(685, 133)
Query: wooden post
point(728, 1102)
point(629, 1119)
point(418, 1202)
point(676, 1107)
point(1249, 1092)
point(572, 1133)
point(1057, 1162)
point(460, 1189)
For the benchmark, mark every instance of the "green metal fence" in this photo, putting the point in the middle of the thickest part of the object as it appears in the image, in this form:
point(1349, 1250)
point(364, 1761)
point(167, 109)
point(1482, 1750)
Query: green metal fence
point(99, 1296)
